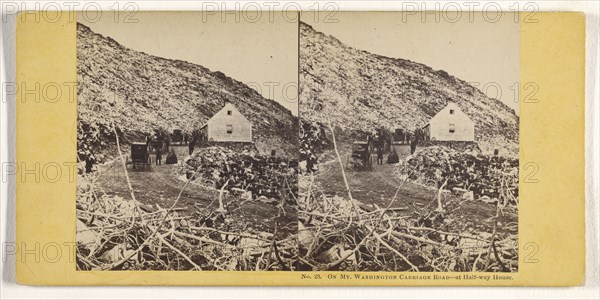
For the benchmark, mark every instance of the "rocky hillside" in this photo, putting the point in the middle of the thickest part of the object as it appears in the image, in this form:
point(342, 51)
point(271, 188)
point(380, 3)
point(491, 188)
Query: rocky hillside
point(360, 91)
point(140, 92)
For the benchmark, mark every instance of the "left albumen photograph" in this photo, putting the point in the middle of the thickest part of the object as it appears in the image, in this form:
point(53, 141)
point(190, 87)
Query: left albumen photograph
point(187, 142)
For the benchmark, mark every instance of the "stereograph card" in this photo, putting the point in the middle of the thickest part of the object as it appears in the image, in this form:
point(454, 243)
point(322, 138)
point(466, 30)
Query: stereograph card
point(339, 149)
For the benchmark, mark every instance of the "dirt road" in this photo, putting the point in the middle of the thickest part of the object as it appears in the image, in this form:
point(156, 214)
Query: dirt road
point(160, 187)
point(379, 186)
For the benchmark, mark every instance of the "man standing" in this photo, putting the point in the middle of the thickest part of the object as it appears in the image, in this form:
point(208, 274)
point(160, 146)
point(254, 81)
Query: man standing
point(413, 144)
point(380, 155)
point(158, 156)
point(191, 146)
point(167, 142)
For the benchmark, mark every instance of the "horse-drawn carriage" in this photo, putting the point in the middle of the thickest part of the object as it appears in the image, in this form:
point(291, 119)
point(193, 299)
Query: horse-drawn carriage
point(140, 157)
point(360, 159)
point(177, 137)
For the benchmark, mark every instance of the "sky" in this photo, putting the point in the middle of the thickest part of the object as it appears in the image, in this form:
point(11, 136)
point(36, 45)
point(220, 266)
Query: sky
point(260, 51)
point(484, 53)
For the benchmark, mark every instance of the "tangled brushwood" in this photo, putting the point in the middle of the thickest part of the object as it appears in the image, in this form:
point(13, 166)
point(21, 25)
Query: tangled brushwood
point(337, 233)
point(114, 233)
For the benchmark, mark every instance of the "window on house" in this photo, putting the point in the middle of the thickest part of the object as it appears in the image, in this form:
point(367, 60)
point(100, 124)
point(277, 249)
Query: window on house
point(229, 129)
point(452, 111)
point(451, 129)
point(229, 113)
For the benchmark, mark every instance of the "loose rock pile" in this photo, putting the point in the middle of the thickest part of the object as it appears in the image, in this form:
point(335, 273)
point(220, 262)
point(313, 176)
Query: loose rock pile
point(312, 141)
point(255, 175)
point(488, 177)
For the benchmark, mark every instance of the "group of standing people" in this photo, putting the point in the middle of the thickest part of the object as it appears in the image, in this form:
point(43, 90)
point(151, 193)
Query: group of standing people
point(410, 138)
point(161, 142)
point(380, 142)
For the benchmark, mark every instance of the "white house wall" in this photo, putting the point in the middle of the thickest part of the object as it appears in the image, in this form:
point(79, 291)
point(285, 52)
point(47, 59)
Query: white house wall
point(217, 126)
point(439, 126)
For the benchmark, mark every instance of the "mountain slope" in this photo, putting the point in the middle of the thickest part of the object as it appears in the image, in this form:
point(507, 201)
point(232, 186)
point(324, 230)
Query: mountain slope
point(359, 91)
point(140, 92)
